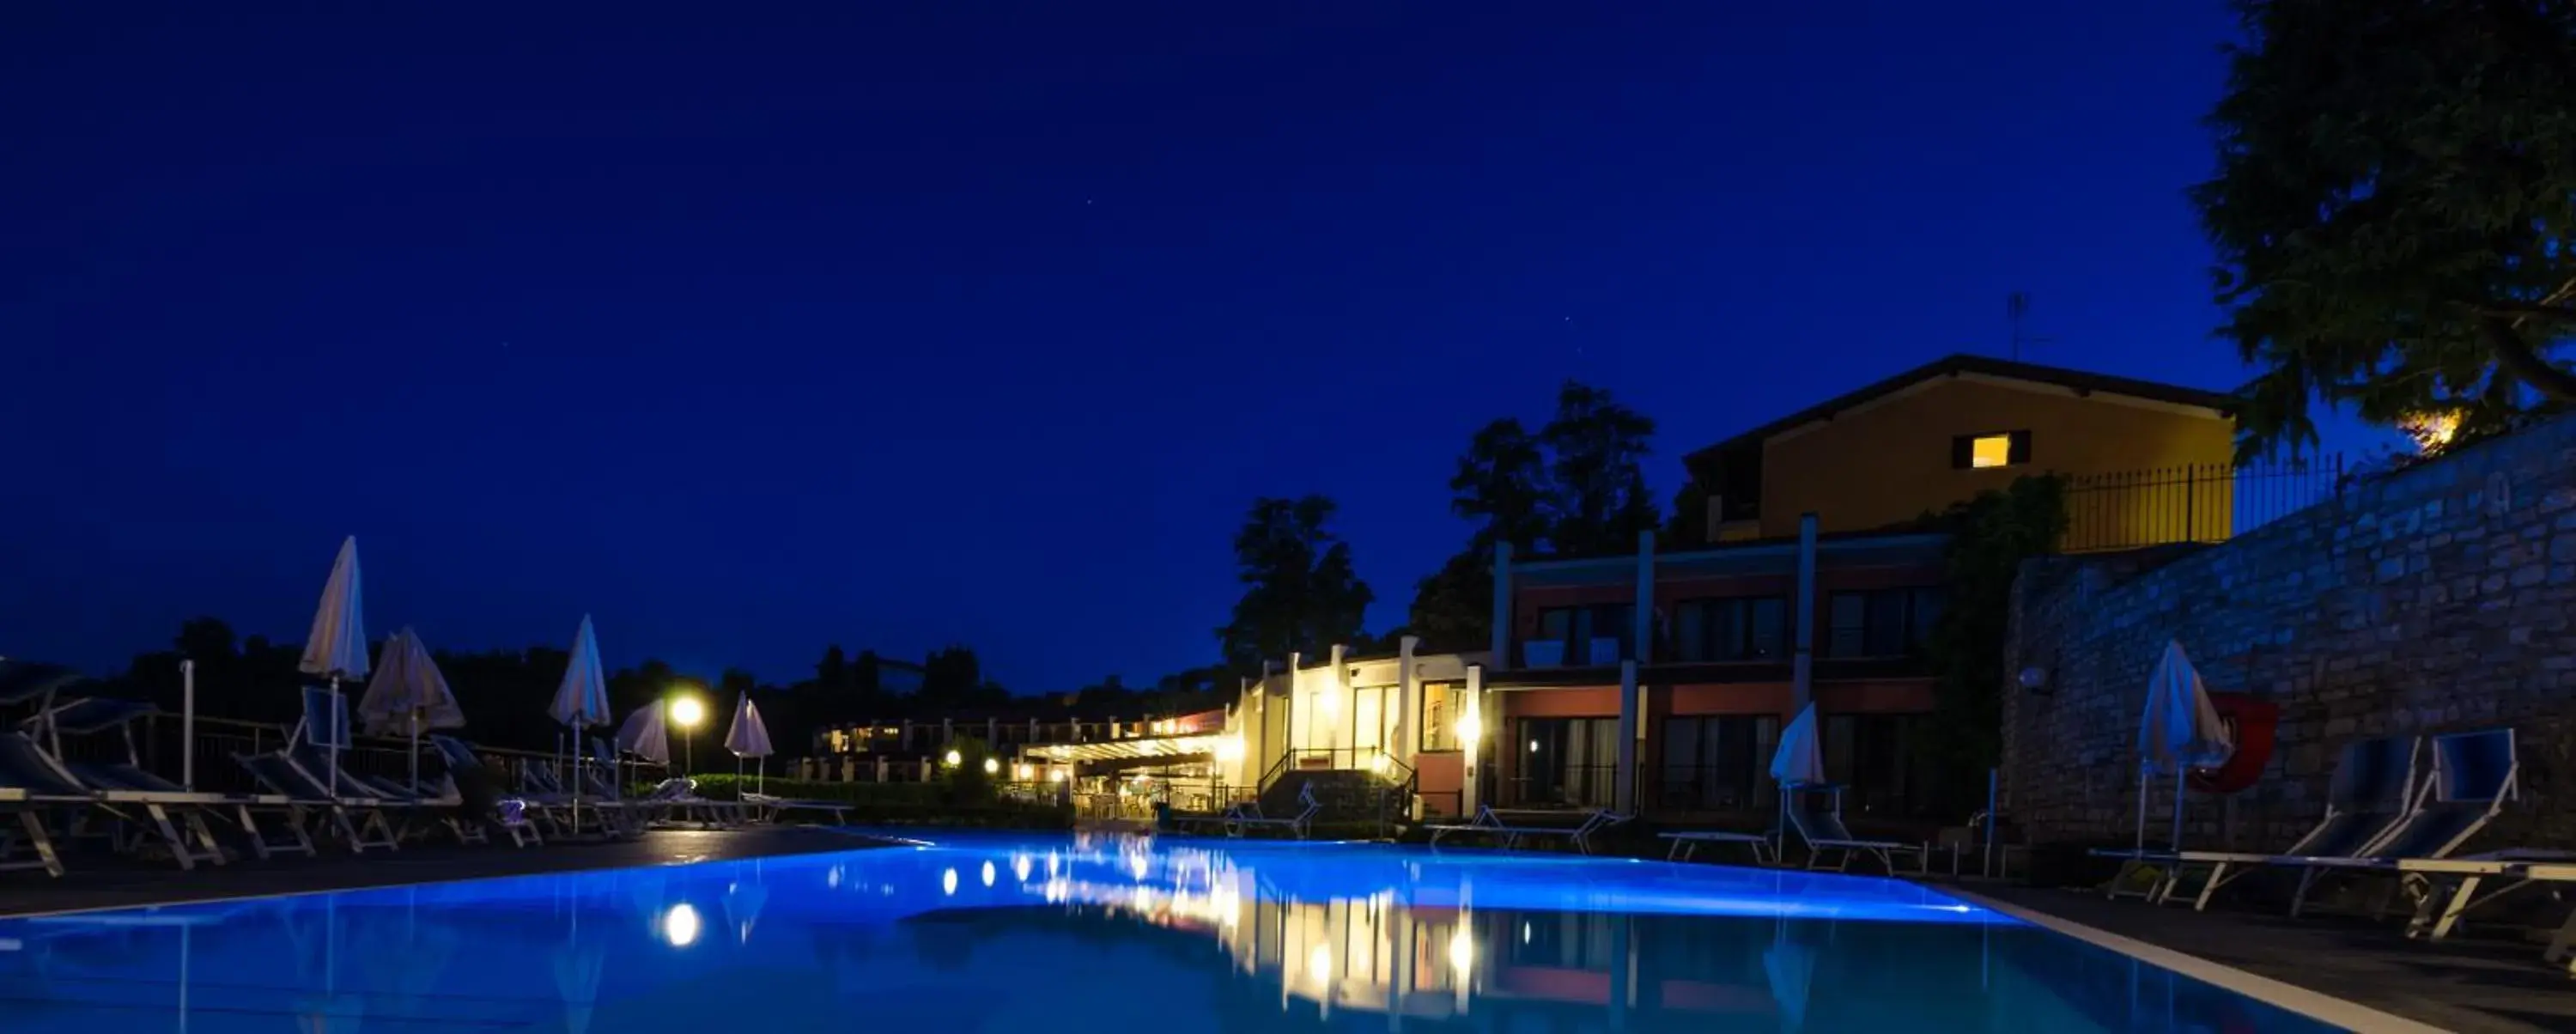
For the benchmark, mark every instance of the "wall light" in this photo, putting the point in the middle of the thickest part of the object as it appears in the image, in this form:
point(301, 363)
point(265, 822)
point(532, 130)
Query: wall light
point(1469, 730)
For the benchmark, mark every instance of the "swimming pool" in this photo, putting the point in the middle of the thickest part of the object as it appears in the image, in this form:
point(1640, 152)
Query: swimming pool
point(1083, 933)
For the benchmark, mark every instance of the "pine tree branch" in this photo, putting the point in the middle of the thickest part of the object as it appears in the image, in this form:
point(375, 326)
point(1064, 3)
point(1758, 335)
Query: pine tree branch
point(2515, 355)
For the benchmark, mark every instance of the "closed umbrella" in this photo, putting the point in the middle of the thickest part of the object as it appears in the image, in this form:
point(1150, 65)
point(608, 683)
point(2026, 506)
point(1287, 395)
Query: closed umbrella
point(2180, 730)
point(408, 695)
point(1797, 762)
point(644, 734)
point(582, 700)
point(336, 649)
point(749, 738)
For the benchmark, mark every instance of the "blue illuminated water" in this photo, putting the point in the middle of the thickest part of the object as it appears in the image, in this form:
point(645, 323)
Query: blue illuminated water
point(1065, 933)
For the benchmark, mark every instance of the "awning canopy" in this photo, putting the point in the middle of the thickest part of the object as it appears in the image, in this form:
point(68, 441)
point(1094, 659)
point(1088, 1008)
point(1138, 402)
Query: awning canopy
point(1122, 750)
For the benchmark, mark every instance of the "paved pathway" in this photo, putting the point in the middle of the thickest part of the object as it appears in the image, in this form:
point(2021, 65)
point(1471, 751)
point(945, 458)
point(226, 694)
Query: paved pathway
point(107, 883)
point(2471, 985)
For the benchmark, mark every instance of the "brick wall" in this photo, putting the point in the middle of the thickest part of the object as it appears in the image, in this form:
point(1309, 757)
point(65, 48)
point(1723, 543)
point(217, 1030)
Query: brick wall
point(2437, 598)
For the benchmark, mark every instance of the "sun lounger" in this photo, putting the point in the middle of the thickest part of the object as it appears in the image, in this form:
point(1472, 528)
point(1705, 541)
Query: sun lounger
point(2474, 774)
point(510, 813)
point(768, 808)
point(126, 791)
point(30, 786)
point(2374, 788)
point(1510, 826)
point(1687, 842)
point(359, 820)
point(677, 798)
point(1298, 825)
point(1826, 836)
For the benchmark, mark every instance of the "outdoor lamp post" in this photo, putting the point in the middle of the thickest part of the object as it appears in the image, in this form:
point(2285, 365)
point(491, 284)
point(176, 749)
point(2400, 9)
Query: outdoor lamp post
point(686, 711)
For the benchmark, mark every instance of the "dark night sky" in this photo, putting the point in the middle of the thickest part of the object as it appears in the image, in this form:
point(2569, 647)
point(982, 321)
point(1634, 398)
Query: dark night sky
point(985, 322)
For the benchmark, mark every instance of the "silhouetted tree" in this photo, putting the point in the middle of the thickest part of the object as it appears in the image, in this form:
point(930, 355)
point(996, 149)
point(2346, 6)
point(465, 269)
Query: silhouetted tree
point(1300, 591)
point(1597, 500)
point(2395, 209)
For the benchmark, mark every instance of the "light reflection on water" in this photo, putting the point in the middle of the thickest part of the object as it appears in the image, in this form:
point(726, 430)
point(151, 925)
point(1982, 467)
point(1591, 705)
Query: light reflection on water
point(1098, 933)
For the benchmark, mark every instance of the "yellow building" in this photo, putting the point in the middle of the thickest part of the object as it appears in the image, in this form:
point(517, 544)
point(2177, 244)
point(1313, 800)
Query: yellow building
point(2149, 462)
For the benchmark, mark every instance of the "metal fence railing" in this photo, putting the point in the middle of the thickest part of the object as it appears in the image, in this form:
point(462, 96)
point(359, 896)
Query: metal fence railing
point(2190, 503)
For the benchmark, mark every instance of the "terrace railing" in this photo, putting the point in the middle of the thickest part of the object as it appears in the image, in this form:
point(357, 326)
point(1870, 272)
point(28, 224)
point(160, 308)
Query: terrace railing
point(2191, 503)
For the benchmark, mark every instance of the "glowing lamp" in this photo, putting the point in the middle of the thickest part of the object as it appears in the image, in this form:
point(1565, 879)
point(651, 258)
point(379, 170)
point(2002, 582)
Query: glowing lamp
point(1469, 730)
point(990, 766)
point(954, 759)
point(687, 711)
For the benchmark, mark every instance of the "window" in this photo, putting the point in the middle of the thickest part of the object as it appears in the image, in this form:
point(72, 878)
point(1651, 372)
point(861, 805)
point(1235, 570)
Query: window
point(1736, 629)
point(1565, 761)
point(1882, 622)
point(1443, 703)
point(1875, 758)
point(1580, 627)
point(1718, 763)
point(1999, 449)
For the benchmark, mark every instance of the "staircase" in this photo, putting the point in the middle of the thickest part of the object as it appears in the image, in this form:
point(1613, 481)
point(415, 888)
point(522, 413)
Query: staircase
point(1349, 797)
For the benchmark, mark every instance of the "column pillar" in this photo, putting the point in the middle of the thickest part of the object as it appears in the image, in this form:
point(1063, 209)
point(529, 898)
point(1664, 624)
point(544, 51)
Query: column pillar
point(1802, 663)
point(1501, 658)
point(1346, 707)
point(1643, 615)
point(1624, 781)
point(1473, 749)
point(1408, 702)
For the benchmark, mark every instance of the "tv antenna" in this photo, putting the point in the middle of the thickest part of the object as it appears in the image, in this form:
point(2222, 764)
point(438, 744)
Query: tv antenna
point(2016, 312)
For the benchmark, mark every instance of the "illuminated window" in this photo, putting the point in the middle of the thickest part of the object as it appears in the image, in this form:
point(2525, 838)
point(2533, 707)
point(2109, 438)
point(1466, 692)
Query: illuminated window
point(1998, 449)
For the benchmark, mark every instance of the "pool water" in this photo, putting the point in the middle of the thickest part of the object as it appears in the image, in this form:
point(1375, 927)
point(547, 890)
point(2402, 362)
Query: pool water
point(1083, 933)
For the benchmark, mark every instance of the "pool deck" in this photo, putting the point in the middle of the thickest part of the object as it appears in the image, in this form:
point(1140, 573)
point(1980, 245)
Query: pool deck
point(2466, 984)
point(95, 883)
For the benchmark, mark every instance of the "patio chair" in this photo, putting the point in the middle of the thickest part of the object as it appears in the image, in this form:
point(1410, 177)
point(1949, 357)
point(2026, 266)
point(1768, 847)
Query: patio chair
point(1825, 835)
point(509, 812)
point(30, 787)
point(1686, 843)
point(359, 820)
point(2374, 788)
point(1510, 826)
point(127, 792)
point(768, 809)
point(677, 798)
point(2474, 774)
point(1297, 826)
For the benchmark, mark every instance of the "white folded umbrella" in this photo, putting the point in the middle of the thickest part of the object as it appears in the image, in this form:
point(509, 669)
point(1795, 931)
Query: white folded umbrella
point(408, 696)
point(748, 738)
point(336, 648)
point(2179, 730)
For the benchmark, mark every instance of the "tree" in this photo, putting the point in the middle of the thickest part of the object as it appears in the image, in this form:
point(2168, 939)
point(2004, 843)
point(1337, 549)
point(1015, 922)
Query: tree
point(2395, 210)
point(950, 676)
point(1597, 499)
point(1501, 486)
point(1300, 591)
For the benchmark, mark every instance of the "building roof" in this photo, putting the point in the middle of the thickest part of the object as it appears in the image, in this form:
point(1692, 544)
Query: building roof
point(2081, 382)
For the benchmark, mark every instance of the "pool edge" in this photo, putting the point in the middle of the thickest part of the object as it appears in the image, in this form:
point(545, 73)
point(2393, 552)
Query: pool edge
point(873, 843)
point(2315, 1005)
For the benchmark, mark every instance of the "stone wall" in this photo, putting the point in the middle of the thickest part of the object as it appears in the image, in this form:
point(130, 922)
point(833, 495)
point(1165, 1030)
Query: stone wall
point(2437, 598)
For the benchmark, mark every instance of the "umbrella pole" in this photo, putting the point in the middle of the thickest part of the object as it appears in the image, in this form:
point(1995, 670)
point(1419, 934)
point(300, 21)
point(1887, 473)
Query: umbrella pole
point(2180, 791)
point(2141, 848)
point(188, 726)
point(415, 754)
point(764, 774)
point(335, 736)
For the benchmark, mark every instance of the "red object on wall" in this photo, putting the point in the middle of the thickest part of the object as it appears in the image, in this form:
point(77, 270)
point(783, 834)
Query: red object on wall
point(2254, 723)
